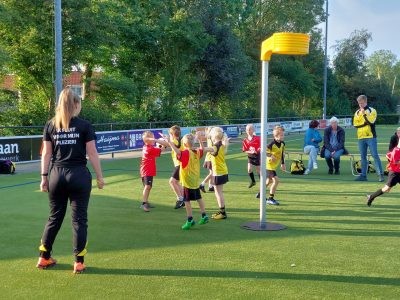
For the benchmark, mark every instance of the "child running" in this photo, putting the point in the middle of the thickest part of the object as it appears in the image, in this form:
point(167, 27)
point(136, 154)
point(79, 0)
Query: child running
point(394, 174)
point(175, 137)
point(148, 165)
point(219, 168)
point(189, 174)
point(252, 146)
point(207, 165)
point(275, 156)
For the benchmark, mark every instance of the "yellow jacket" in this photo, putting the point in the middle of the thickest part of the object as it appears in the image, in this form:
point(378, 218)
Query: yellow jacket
point(365, 123)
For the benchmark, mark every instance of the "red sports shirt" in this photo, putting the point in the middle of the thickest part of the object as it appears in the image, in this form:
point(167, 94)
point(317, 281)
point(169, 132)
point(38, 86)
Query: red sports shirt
point(148, 163)
point(254, 143)
point(394, 160)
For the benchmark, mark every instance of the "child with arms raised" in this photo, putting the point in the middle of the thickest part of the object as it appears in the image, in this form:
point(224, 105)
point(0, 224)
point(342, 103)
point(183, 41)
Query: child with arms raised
point(189, 174)
point(148, 165)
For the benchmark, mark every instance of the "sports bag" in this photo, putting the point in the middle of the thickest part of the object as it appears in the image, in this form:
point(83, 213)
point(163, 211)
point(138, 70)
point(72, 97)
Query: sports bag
point(297, 167)
point(7, 167)
point(357, 167)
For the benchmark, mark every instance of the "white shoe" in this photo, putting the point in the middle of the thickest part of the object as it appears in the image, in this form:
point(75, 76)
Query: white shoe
point(315, 166)
point(306, 172)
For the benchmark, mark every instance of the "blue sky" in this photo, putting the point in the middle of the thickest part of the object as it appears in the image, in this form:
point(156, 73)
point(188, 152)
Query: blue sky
point(380, 17)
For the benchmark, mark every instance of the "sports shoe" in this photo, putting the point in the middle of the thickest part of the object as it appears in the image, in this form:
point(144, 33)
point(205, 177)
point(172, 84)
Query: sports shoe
point(381, 178)
point(46, 263)
point(337, 172)
point(188, 225)
point(306, 172)
point(202, 188)
point(79, 268)
point(145, 207)
point(315, 166)
point(258, 195)
point(272, 201)
point(179, 204)
point(251, 184)
point(330, 171)
point(211, 189)
point(361, 178)
point(369, 200)
point(219, 216)
point(204, 220)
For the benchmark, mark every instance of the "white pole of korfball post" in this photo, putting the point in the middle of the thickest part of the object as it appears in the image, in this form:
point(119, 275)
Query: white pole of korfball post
point(264, 129)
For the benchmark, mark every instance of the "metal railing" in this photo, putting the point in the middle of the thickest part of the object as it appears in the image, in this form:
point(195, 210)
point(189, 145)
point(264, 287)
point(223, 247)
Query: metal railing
point(111, 126)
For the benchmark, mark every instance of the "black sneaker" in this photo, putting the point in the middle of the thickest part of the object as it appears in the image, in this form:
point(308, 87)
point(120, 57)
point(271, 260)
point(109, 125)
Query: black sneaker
point(330, 172)
point(369, 200)
point(251, 184)
point(258, 195)
point(272, 201)
point(201, 187)
point(179, 204)
point(337, 172)
point(211, 189)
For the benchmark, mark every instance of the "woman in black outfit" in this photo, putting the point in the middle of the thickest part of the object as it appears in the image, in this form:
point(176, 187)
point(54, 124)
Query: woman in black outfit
point(67, 140)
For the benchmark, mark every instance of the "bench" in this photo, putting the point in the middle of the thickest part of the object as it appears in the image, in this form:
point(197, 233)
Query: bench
point(351, 159)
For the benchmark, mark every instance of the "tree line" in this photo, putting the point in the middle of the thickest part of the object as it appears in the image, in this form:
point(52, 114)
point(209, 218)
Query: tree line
point(183, 60)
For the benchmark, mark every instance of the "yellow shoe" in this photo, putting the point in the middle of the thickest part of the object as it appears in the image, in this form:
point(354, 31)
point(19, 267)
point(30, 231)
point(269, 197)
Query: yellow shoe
point(219, 216)
point(79, 268)
point(46, 263)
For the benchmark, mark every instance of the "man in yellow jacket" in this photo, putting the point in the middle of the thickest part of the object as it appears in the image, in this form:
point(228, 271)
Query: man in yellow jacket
point(364, 121)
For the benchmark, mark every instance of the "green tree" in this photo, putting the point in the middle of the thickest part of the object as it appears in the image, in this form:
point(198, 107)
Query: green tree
point(382, 65)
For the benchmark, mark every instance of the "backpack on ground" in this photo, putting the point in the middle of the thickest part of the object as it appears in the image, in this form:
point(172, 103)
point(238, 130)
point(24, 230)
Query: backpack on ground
point(357, 167)
point(297, 167)
point(7, 167)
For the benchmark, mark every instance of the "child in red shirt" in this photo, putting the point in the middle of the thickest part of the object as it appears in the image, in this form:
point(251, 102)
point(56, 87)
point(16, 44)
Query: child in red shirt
point(394, 174)
point(148, 165)
point(252, 146)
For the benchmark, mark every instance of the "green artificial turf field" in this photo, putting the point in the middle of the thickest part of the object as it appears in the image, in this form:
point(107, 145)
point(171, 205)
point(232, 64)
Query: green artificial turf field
point(334, 247)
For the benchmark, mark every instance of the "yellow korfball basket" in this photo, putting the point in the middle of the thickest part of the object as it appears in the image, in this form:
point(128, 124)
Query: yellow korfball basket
point(288, 43)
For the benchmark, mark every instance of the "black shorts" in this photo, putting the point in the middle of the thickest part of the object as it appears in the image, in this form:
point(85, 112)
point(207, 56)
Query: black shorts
point(218, 180)
point(207, 165)
point(271, 173)
point(147, 180)
point(393, 179)
point(191, 194)
point(175, 173)
point(254, 159)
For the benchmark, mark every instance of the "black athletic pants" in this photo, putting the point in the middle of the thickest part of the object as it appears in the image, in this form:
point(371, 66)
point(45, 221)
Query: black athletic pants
point(74, 184)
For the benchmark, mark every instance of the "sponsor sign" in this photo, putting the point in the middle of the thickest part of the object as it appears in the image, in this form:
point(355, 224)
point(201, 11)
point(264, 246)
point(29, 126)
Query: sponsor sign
point(111, 141)
point(18, 149)
point(232, 131)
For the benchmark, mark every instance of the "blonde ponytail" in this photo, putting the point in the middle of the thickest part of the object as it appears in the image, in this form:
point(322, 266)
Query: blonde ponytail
point(65, 109)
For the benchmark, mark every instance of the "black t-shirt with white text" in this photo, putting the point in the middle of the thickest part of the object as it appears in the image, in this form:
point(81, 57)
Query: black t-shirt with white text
point(69, 147)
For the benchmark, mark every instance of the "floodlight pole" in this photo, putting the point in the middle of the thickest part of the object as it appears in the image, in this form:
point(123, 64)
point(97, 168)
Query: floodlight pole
point(325, 62)
point(58, 47)
point(264, 133)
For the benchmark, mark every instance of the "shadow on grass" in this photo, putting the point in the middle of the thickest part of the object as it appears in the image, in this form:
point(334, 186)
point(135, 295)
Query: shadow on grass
point(245, 274)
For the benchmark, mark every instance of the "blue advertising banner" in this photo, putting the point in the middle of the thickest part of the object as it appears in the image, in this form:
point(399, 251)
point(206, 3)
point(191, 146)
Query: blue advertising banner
point(232, 131)
point(112, 141)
